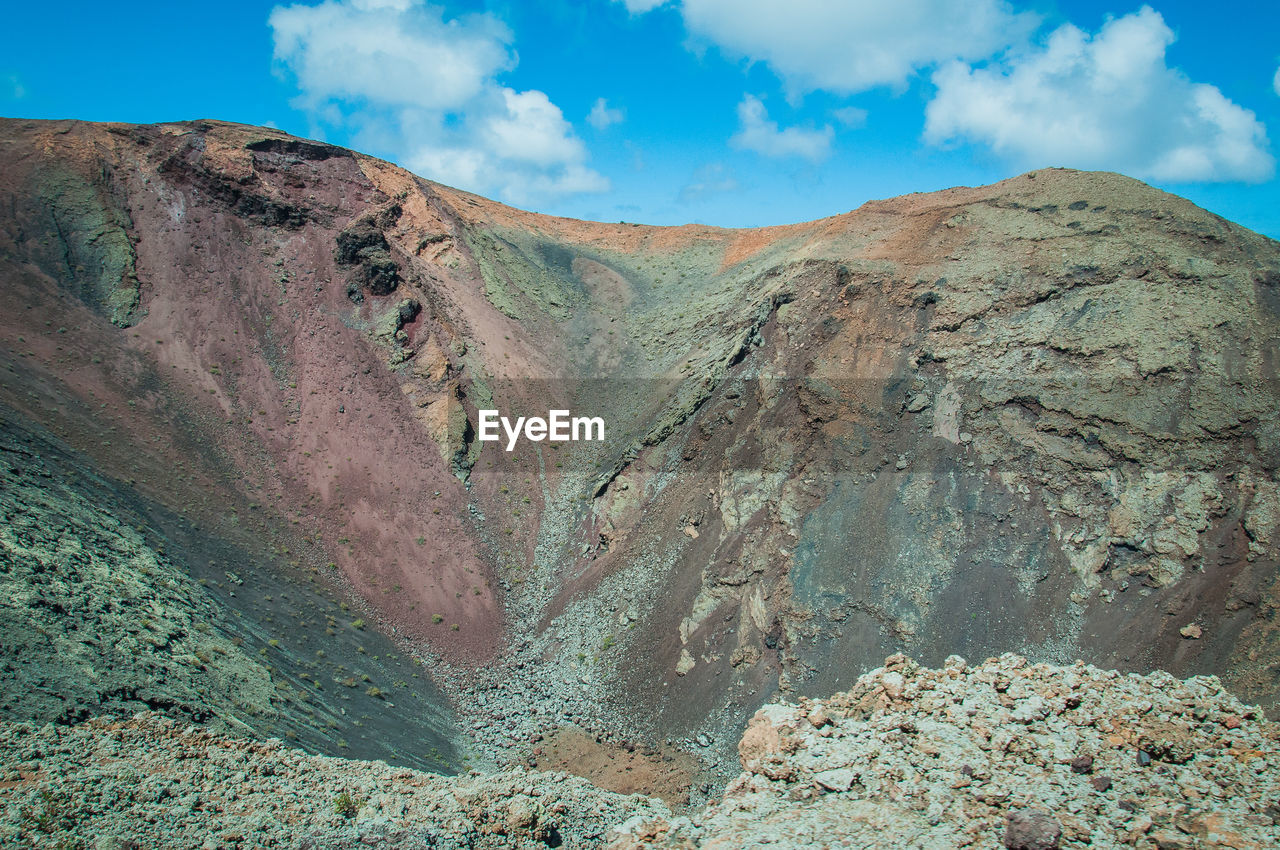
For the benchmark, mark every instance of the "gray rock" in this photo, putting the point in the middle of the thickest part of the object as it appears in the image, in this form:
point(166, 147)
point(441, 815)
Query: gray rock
point(1032, 829)
point(840, 779)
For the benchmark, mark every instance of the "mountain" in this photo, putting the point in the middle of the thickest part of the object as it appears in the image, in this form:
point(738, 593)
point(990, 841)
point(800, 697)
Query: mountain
point(240, 392)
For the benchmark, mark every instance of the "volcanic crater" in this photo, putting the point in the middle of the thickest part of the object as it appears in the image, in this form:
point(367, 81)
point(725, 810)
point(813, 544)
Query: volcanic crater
point(240, 379)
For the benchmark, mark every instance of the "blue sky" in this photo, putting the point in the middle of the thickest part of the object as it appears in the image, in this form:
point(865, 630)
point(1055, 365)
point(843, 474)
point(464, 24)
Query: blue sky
point(727, 112)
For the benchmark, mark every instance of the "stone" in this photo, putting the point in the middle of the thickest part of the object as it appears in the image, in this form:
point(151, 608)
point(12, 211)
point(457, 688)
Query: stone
point(520, 814)
point(1032, 829)
point(839, 779)
point(819, 717)
point(893, 684)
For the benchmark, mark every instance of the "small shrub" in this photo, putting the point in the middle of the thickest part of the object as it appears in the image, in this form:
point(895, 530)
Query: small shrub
point(54, 813)
point(344, 804)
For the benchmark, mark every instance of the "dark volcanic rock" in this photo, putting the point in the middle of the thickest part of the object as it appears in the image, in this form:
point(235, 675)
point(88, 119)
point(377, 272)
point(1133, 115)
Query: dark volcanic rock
point(363, 245)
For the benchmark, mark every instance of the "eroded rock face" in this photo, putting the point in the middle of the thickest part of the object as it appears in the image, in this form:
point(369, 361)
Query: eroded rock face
point(1004, 753)
point(1034, 415)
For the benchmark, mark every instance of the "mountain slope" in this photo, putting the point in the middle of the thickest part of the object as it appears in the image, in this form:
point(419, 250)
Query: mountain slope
point(1035, 416)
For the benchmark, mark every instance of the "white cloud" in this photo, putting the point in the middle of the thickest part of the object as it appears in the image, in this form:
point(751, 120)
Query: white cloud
point(1105, 101)
point(516, 145)
point(1275, 81)
point(757, 133)
point(639, 7)
point(602, 115)
point(848, 47)
point(389, 51)
point(471, 167)
point(708, 180)
point(426, 88)
point(851, 116)
point(532, 129)
point(17, 90)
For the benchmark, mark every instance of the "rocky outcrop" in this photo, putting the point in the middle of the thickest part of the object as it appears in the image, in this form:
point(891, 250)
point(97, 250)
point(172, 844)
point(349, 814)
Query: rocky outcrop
point(1003, 753)
point(80, 236)
point(363, 248)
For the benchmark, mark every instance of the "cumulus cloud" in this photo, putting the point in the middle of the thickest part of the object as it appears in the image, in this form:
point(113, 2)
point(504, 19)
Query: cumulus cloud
point(853, 46)
point(427, 87)
point(756, 132)
point(389, 52)
point(530, 128)
point(1106, 101)
point(602, 115)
